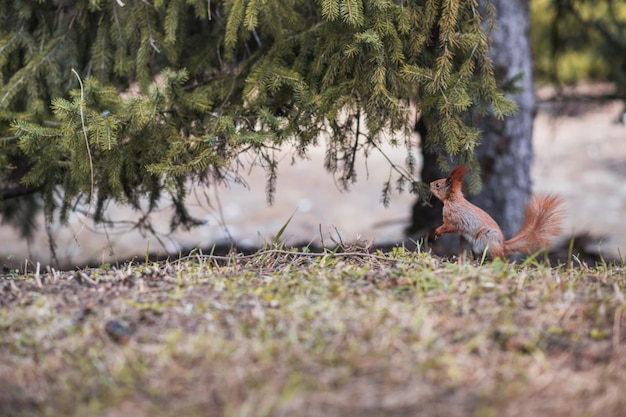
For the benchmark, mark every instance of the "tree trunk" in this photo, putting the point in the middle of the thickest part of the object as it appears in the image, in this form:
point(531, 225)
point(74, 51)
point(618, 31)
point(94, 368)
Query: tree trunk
point(505, 153)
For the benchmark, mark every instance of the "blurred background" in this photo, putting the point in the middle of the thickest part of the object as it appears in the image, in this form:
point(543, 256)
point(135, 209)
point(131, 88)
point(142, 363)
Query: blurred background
point(579, 139)
point(580, 154)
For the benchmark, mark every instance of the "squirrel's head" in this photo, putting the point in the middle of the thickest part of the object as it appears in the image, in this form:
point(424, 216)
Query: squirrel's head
point(440, 188)
point(443, 187)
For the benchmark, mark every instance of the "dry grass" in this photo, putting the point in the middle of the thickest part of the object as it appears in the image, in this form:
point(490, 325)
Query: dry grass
point(286, 334)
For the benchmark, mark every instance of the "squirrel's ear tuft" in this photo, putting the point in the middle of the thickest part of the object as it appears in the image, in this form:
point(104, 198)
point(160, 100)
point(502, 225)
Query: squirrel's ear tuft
point(458, 173)
point(455, 178)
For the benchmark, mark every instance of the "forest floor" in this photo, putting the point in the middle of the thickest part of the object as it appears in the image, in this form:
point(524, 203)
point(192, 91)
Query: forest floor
point(280, 333)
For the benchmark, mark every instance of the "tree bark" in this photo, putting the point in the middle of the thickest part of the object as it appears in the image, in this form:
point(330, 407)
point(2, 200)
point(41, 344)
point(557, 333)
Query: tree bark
point(506, 151)
point(505, 154)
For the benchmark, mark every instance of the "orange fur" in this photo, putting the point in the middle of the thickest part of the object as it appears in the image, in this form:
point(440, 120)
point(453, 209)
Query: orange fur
point(542, 219)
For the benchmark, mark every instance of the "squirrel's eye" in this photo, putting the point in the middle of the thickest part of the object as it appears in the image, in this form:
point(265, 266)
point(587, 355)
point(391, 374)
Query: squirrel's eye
point(437, 185)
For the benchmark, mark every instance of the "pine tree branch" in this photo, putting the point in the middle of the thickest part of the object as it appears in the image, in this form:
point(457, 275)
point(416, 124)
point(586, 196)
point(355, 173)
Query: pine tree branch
point(17, 191)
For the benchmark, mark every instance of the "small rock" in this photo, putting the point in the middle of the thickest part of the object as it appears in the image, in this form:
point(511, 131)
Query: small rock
point(118, 332)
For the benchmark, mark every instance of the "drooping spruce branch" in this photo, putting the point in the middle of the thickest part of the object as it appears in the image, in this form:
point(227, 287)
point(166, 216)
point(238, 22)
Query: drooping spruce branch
point(172, 96)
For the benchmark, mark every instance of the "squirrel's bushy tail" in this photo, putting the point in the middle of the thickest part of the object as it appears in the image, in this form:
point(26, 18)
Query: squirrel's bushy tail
point(543, 220)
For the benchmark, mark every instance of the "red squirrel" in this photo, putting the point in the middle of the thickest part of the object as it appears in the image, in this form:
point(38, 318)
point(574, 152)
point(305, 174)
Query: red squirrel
point(542, 220)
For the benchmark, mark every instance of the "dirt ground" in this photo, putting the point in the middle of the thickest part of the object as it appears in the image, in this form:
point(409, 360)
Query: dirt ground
point(286, 333)
point(580, 153)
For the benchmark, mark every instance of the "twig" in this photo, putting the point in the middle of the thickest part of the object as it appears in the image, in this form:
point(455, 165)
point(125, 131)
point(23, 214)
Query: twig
point(82, 121)
point(340, 243)
point(52, 244)
point(350, 175)
point(38, 276)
